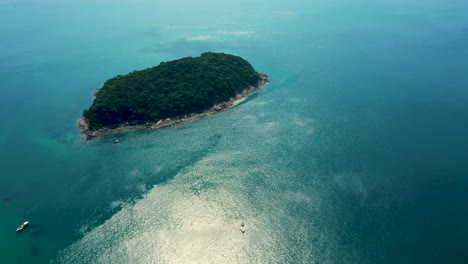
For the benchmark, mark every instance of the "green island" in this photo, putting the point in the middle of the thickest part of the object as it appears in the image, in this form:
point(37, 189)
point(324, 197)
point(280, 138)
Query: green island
point(170, 93)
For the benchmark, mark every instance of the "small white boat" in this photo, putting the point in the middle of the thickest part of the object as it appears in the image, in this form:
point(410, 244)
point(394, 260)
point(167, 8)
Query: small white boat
point(23, 226)
point(242, 228)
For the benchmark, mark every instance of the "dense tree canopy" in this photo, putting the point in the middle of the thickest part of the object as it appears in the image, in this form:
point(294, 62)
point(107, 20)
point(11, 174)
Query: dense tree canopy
point(174, 88)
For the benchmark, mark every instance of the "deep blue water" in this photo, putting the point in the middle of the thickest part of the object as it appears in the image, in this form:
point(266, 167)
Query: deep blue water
point(354, 153)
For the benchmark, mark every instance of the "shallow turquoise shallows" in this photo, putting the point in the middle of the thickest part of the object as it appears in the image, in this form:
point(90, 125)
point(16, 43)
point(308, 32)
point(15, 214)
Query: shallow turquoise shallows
point(356, 152)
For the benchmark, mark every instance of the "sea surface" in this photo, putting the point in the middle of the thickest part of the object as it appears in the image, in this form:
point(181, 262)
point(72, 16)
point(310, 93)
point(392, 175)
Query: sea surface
point(356, 152)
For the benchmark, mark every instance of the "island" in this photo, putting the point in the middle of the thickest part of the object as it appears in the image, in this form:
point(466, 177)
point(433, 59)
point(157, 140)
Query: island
point(170, 93)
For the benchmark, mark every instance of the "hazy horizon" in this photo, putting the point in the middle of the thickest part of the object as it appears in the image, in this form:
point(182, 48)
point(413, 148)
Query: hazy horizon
point(354, 153)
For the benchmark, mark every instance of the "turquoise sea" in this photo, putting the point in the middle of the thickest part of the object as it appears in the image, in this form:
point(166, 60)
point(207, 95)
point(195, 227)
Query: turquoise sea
point(356, 152)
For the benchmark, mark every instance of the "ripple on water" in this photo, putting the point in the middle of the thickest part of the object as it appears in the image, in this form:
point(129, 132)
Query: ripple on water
point(196, 216)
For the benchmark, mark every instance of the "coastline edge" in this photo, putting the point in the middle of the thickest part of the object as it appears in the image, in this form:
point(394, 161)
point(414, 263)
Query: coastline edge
point(90, 135)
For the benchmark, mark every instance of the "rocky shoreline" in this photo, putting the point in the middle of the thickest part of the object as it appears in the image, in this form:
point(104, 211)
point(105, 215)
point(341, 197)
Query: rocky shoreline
point(83, 125)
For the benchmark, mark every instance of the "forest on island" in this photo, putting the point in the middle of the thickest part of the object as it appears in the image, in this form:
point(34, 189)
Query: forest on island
point(174, 88)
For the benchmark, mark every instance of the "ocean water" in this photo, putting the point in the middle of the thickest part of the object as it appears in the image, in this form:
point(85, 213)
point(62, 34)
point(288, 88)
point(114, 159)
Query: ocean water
point(354, 153)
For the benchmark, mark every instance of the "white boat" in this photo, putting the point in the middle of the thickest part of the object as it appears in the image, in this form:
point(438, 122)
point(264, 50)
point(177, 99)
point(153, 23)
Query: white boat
point(242, 228)
point(23, 226)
